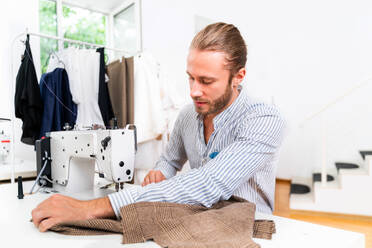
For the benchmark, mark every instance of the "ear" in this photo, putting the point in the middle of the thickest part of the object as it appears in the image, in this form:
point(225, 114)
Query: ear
point(238, 78)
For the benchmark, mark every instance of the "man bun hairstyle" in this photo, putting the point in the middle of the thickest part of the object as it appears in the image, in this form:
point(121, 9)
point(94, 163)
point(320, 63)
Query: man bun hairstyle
point(225, 38)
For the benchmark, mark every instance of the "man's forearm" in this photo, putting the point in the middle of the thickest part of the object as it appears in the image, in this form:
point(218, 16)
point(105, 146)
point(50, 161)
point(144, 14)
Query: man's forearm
point(100, 208)
point(59, 208)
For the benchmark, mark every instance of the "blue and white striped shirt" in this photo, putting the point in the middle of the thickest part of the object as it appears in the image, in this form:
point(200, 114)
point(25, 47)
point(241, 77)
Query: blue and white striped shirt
point(239, 159)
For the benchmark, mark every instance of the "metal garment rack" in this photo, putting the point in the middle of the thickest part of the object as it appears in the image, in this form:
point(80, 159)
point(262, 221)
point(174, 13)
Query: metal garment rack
point(92, 45)
point(75, 41)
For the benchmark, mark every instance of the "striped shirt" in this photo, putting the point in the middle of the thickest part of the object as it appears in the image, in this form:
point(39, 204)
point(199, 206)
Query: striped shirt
point(239, 159)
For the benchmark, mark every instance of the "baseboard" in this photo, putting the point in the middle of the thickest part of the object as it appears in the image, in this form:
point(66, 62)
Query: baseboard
point(332, 215)
point(282, 180)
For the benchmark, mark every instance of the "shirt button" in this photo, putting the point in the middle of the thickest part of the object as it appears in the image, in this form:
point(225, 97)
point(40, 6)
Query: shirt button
point(204, 161)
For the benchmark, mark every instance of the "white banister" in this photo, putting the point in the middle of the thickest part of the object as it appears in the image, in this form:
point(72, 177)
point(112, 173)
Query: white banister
point(321, 113)
point(335, 101)
point(324, 151)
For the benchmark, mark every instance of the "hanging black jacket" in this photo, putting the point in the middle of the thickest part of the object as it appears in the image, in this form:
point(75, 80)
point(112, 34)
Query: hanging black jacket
point(104, 101)
point(27, 99)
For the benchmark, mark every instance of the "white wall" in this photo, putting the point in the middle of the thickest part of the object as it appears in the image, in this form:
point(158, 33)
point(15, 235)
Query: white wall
point(15, 17)
point(304, 54)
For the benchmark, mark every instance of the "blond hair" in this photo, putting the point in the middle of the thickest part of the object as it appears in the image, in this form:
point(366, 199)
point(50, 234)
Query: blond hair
point(225, 38)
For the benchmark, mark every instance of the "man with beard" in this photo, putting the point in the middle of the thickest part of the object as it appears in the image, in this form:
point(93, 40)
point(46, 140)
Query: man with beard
point(230, 141)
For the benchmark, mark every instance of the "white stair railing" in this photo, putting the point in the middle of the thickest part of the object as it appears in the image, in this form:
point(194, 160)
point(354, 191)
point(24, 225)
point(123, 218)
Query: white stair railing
point(321, 113)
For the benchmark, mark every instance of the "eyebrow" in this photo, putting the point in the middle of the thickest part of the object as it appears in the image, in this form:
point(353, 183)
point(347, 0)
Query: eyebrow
point(202, 77)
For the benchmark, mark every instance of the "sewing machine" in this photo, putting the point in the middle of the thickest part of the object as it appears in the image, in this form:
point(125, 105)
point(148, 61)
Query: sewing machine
point(68, 160)
point(4, 143)
point(4, 147)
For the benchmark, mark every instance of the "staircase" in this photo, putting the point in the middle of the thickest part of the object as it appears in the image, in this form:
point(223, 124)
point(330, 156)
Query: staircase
point(350, 191)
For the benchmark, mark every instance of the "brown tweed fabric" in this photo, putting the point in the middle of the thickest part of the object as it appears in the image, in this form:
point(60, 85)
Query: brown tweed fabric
point(227, 224)
point(263, 229)
point(89, 227)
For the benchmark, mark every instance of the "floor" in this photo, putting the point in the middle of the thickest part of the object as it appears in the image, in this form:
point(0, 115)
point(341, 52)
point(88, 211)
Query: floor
point(347, 222)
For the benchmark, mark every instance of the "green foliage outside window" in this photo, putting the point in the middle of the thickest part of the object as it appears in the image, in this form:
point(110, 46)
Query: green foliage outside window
point(78, 24)
point(84, 25)
point(48, 25)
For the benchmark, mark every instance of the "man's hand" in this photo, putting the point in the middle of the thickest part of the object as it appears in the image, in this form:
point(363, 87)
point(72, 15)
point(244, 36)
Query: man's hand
point(60, 208)
point(154, 176)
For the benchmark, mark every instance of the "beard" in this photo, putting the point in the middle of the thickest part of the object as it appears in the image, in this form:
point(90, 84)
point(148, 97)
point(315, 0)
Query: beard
point(216, 105)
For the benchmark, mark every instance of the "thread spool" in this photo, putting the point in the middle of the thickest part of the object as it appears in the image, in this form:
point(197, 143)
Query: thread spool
point(20, 188)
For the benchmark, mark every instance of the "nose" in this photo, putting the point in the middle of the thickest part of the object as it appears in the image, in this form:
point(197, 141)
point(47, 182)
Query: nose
point(196, 89)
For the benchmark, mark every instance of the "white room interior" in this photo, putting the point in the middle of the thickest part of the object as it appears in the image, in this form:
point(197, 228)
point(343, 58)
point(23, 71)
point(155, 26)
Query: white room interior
point(312, 60)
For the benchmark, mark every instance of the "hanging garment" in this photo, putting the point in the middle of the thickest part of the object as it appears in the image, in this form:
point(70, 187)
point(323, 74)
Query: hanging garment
point(129, 63)
point(82, 66)
point(227, 224)
point(104, 102)
point(27, 100)
point(153, 105)
point(121, 89)
point(149, 113)
point(59, 108)
point(89, 80)
point(66, 59)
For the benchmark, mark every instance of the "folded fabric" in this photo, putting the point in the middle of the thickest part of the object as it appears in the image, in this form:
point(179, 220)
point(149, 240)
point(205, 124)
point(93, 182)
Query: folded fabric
point(227, 224)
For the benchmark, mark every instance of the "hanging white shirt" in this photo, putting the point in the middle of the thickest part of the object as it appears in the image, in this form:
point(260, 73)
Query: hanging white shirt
point(148, 110)
point(82, 66)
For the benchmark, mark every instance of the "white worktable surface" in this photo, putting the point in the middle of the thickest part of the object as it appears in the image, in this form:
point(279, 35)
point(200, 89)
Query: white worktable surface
point(16, 230)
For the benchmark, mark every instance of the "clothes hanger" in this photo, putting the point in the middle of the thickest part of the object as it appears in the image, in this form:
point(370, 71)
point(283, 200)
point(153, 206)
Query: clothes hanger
point(24, 43)
point(53, 53)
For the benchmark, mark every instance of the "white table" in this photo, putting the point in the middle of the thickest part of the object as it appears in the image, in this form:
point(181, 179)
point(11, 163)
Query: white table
point(16, 230)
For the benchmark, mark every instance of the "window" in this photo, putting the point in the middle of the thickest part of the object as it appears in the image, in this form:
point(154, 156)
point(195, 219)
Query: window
point(84, 25)
point(91, 26)
point(78, 24)
point(125, 30)
point(48, 25)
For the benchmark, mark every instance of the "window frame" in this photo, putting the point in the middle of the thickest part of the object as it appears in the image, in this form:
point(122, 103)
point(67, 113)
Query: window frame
point(109, 21)
point(138, 23)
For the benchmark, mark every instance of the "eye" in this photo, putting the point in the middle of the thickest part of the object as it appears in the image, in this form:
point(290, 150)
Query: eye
point(206, 82)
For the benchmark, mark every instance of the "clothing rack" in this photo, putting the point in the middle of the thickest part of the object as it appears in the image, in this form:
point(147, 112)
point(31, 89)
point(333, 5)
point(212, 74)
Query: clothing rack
point(13, 79)
point(75, 41)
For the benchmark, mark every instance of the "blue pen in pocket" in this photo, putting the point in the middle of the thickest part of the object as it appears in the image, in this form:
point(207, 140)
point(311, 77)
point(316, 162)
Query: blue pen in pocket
point(213, 155)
